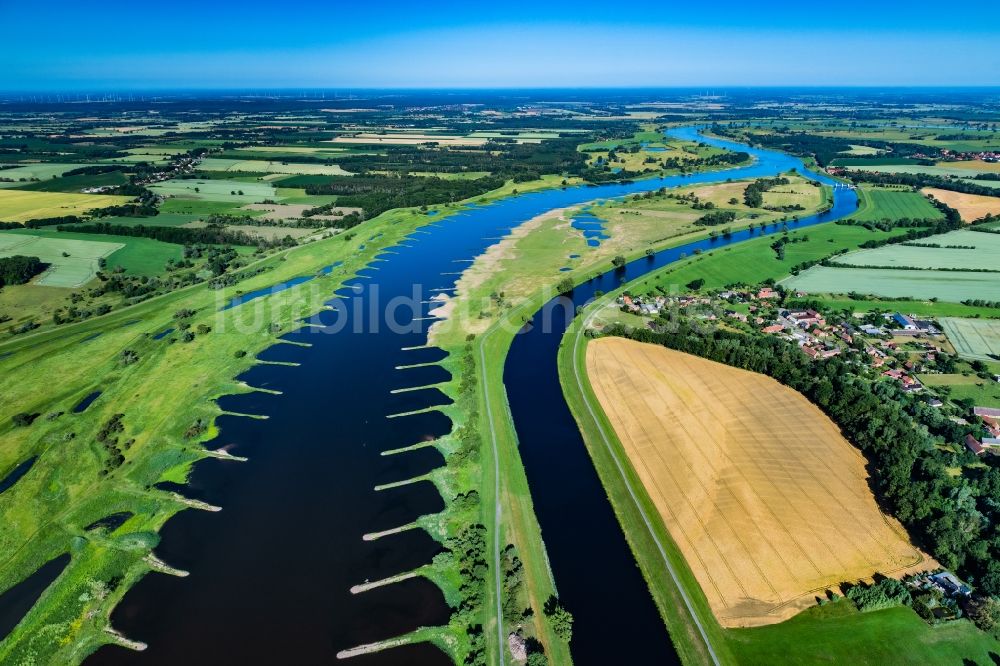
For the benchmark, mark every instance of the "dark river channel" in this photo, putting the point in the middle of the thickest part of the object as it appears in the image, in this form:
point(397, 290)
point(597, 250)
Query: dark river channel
point(270, 575)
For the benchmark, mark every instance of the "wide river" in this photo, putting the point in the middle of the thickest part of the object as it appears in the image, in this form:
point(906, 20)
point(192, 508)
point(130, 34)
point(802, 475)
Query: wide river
point(271, 573)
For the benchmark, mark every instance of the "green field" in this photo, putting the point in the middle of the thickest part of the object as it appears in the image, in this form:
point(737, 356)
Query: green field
point(215, 190)
point(261, 166)
point(754, 261)
point(983, 392)
point(891, 204)
point(41, 171)
point(74, 270)
point(986, 254)
point(838, 633)
point(974, 338)
point(944, 285)
point(135, 256)
point(915, 307)
point(918, 168)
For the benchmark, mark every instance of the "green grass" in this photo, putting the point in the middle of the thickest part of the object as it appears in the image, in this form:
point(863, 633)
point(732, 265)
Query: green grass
point(890, 204)
point(984, 392)
point(985, 255)
point(917, 168)
point(201, 208)
point(215, 190)
point(74, 270)
point(41, 171)
point(754, 261)
point(918, 308)
point(262, 166)
point(974, 338)
point(943, 285)
point(138, 256)
point(838, 633)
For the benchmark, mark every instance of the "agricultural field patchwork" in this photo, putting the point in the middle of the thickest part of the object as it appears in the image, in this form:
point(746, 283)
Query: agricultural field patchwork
point(21, 206)
point(973, 338)
point(765, 498)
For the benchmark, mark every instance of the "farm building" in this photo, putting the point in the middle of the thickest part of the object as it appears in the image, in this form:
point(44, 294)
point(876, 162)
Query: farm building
point(905, 322)
point(973, 445)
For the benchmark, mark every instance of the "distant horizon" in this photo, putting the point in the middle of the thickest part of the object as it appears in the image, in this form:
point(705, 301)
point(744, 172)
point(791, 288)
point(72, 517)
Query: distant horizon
point(449, 45)
point(705, 90)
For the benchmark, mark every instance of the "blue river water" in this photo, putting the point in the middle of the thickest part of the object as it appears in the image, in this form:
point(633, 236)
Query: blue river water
point(271, 573)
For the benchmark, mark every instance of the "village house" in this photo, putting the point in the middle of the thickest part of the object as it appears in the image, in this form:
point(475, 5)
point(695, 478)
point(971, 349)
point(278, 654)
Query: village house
point(804, 318)
point(819, 352)
point(973, 445)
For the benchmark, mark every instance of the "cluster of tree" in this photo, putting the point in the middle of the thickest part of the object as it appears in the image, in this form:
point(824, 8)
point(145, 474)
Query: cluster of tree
point(887, 592)
point(376, 193)
point(108, 438)
point(956, 518)
point(980, 303)
point(215, 235)
point(468, 550)
point(715, 218)
point(753, 195)
point(18, 269)
point(513, 582)
point(779, 245)
point(235, 277)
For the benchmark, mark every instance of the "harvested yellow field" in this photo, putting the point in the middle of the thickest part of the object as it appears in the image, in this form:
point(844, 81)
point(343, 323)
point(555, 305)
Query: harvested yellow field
point(976, 166)
point(970, 206)
point(767, 501)
point(21, 205)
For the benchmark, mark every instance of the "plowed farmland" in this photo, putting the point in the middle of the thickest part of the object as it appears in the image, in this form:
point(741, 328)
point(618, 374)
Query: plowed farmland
point(767, 501)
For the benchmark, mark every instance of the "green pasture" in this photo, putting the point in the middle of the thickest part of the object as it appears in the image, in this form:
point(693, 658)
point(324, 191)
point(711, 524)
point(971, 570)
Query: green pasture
point(41, 171)
point(986, 254)
point(136, 256)
point(201, 189)
point(974, 338)
point(72, 262)
point(891, 204)
point(753, 261)
point(262, 166)
point(943, 285)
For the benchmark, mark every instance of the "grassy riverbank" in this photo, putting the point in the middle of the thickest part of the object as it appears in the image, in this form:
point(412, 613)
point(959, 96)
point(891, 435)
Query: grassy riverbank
point(94, 464)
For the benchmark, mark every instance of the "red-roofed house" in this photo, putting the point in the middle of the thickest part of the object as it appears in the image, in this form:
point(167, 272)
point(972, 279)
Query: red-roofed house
point(973, 445)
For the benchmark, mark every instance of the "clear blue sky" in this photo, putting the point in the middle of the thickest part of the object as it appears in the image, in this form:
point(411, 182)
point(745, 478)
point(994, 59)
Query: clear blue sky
point(59, 45)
